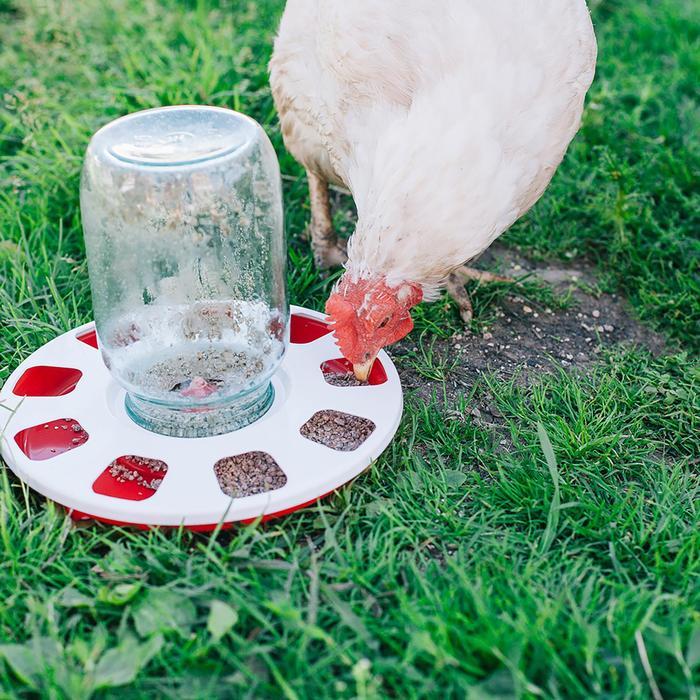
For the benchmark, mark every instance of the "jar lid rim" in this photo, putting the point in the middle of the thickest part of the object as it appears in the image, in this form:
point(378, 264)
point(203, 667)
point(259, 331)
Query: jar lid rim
point(175, 136)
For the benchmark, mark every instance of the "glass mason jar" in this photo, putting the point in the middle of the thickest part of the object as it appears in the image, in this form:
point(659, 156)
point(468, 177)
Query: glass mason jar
point(183, 224)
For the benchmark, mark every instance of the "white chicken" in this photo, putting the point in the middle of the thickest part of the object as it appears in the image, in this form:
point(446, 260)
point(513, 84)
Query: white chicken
point(446, 120)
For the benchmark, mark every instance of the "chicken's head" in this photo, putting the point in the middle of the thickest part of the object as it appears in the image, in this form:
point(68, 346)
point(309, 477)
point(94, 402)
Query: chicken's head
point(367, 315)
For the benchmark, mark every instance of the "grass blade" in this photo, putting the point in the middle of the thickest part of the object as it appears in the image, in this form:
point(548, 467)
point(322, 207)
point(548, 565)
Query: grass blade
point(554, 507)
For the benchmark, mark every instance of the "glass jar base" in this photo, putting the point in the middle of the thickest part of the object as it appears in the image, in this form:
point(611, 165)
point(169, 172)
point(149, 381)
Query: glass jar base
point(200, 422)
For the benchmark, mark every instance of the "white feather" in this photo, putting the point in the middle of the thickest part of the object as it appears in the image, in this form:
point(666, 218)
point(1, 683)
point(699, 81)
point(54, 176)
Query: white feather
point(447, 120)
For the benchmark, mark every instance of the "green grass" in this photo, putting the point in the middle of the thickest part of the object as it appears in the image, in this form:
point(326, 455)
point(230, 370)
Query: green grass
point(468, 562)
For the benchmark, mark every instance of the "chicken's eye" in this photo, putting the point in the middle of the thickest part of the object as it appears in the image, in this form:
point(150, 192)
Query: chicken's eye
point(384, 322)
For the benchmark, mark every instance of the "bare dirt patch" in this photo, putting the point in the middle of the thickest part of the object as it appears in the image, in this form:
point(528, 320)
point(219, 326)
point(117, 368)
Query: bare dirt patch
point(526, 340)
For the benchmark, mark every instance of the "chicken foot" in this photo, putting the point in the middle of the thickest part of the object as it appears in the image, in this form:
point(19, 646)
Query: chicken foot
point(329, 250)
point(457, 290)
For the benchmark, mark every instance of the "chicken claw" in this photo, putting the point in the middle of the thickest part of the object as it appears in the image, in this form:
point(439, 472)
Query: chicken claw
point(456, 289)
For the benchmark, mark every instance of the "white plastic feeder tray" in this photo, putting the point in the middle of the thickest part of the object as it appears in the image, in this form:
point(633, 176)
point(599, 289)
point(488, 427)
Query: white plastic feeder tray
point(69, 426)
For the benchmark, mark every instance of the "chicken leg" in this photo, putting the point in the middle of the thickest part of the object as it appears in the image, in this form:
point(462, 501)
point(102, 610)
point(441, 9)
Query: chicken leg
point(329, 250)
point(456, 289)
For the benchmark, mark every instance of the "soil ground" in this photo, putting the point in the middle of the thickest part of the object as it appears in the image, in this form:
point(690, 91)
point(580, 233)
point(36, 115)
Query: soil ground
point(526, 339)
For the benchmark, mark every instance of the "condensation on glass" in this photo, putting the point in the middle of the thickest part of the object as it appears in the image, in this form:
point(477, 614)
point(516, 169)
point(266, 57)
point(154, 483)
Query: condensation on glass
point(183, 223)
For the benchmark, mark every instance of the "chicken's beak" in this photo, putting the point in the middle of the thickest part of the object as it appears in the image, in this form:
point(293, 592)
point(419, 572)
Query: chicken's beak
point(363, 369)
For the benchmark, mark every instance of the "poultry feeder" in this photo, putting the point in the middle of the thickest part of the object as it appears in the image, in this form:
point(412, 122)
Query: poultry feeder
point(198, 397)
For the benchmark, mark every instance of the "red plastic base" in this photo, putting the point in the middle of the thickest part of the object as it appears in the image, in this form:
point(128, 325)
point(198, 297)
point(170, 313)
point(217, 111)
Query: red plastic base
point(306, 329)
point(51, 439)
point(77, 516)
point(131, 477)
point(47, 381)
point(89, 338)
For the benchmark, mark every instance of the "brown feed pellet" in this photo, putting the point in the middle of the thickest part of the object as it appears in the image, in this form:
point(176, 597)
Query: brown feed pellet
point(339, 431)
point(248, 474)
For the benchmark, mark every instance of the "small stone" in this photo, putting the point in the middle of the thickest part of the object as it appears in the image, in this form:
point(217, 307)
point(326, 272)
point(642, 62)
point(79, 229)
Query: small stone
point(487, 336)
point(600, 329)
point(596, 314)
point(608, 328)
point(527, 310)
